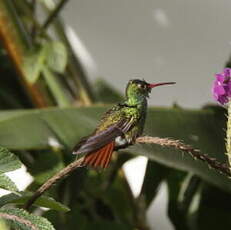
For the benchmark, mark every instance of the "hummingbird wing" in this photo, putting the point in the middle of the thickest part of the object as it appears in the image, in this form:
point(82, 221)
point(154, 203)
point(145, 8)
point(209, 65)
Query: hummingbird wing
point(99, 146)
point(102, 138)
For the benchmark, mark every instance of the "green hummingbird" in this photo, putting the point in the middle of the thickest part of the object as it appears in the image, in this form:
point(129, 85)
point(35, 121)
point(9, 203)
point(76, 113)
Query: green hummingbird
point(119, 126)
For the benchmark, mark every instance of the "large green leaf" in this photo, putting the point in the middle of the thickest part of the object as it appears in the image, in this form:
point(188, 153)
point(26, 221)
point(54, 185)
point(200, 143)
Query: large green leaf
point(23, 197)
point(203, 129)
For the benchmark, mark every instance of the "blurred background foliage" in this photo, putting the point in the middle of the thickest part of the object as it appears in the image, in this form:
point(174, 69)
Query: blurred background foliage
point(47, 104)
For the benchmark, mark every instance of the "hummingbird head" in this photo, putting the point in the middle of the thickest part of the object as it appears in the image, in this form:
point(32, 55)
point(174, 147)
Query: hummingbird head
point(137, 90)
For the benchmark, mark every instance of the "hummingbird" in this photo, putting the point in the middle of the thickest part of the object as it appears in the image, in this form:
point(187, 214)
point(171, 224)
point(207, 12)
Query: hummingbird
point(119, 126)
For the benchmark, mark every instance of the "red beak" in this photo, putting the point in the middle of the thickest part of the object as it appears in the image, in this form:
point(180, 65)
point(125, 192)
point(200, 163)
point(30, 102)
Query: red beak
point(158, 84)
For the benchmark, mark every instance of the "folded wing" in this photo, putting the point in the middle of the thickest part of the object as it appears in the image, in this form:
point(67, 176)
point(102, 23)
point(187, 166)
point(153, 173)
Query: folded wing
point(99, 147)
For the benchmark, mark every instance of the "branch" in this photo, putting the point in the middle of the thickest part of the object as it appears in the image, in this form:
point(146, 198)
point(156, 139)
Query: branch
point(33, 10)
point(61, 174)
point(195, 153)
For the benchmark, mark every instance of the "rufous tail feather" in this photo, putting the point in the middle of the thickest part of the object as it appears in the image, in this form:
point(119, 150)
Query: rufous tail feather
point(100, 158)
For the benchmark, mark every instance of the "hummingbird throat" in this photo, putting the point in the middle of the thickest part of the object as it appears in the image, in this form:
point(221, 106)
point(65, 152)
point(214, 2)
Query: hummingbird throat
point(137, 100)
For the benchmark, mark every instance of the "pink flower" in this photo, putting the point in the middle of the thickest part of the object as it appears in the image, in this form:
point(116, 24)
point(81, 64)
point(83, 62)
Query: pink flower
point(221, 88)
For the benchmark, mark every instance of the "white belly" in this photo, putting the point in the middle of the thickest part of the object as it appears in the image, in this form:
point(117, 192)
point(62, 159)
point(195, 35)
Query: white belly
point(120, 141)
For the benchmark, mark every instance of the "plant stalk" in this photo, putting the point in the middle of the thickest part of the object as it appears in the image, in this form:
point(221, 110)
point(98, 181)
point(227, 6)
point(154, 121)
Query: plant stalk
point(228, 135)
point(76, 74)
point(55, 88)
point(13, 40)
point(53, 14)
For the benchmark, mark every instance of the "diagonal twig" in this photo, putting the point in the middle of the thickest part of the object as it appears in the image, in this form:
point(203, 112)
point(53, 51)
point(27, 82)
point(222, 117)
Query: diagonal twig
point(51, 181)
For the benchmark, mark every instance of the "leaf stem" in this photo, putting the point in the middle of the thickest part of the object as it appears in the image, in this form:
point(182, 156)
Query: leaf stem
point(76, 74)
point(55, 88)
point(34, 26)
point(53, 14)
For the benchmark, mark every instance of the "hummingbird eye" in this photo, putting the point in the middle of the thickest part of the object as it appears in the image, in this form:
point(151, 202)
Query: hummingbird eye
point(140, 86)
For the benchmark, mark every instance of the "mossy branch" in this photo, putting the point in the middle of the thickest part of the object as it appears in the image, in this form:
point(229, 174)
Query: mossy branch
point(195, 153)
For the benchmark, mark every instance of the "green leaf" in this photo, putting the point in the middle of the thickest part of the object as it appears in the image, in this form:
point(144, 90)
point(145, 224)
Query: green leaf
point(7, 184)
point(196, 127)
point(8, 161)
point(57, 56)
point(52, 55)
point(20, 219)
point(43, 201)
point(34, 63)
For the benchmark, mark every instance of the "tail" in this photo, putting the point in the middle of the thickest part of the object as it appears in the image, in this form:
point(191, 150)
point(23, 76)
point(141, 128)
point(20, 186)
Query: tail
point(101, 157)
